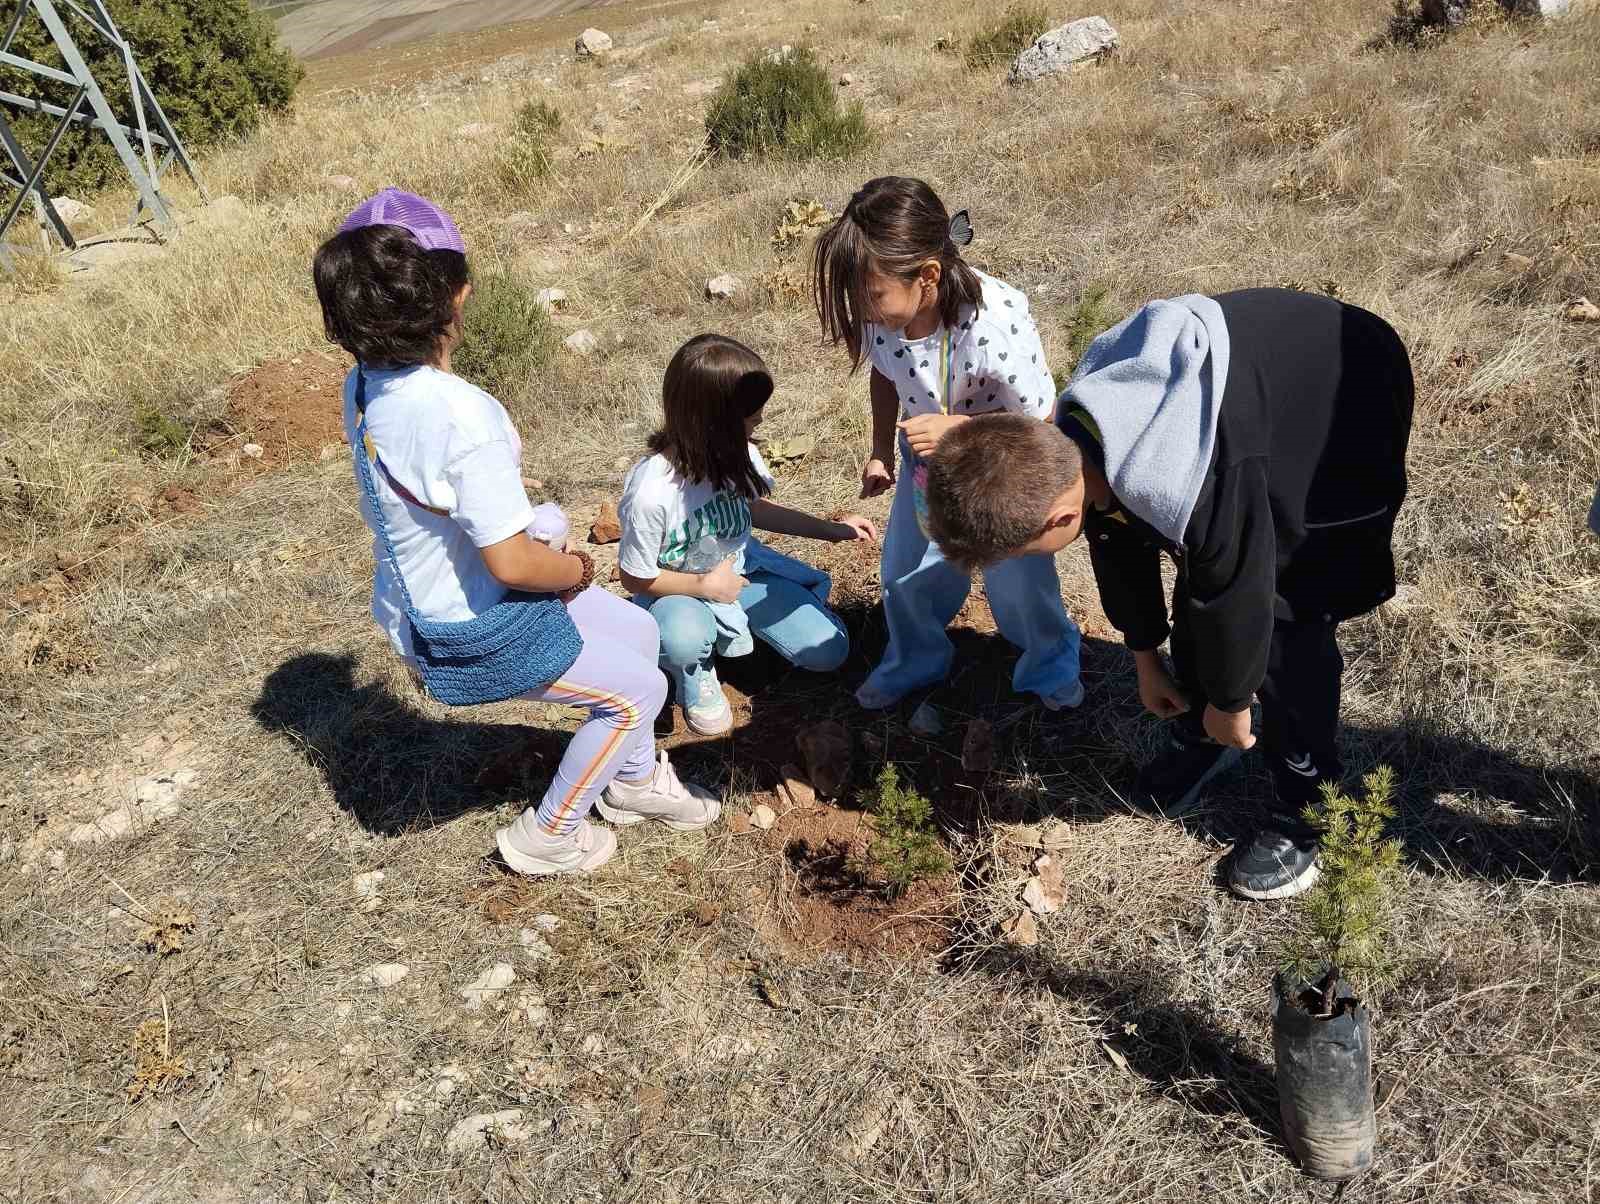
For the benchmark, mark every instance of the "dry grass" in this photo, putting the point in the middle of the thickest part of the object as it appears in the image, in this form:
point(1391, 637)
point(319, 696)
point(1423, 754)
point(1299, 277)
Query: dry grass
point(233, 640)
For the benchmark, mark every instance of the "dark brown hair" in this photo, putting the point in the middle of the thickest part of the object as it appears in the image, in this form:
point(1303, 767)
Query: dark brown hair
point(386, 300)
point(991, 482)
point(712, 385)
point(892, 225)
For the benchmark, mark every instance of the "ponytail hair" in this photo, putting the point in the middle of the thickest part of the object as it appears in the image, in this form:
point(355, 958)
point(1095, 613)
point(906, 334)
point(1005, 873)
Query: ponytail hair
point(892, 225)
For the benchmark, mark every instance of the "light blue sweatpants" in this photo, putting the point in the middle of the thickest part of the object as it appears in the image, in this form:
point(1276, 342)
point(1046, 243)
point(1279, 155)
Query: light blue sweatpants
point(922, 592)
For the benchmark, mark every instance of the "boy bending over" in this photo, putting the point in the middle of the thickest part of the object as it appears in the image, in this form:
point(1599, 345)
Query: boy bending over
point(1258, 438)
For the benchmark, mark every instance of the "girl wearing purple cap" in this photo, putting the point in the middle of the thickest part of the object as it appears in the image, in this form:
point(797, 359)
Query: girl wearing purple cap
point(444, 498)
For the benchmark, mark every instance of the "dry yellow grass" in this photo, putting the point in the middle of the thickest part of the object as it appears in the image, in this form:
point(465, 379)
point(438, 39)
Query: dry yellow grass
point(1225, 146)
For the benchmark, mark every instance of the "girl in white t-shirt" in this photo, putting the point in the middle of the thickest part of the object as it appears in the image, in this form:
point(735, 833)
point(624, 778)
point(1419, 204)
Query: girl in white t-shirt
point(687, 553)
point(946, 343)
point(446, 495)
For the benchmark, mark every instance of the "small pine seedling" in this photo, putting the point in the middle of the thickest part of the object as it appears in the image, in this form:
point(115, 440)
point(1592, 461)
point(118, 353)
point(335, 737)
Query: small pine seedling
point(1344, 925)
point(907, 846)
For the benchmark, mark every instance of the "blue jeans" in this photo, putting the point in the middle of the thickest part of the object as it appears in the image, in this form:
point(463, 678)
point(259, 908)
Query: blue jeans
point(782, 614)
point(922, 592)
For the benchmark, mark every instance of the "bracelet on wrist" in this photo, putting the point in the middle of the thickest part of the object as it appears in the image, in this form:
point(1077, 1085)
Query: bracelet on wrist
point(586, 578)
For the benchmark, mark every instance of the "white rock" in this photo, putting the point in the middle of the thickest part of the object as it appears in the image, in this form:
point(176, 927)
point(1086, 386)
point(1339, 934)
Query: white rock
point(1039, 898)
point(450, 1079)
point(925, 721)
point(57, 859)
point(1022, 929)
point(535, 946)
point(252, 451)
point(1062, 49)
point(551, 299)
point(384, 974)
point(475, 129)
point(720, 288)
point(701, 87)
point(593, 1046)
point(364, 888)
point(344, 1010)
point(157, 796)
point(531, 1010)
point(781, 55)
point(592, 42)
point(546, 923)
point(846, 80)
point(71, 210)
point(343, 183)
point(488, 986)
point(581, 342)
point(507, 1127)
point(763, 817)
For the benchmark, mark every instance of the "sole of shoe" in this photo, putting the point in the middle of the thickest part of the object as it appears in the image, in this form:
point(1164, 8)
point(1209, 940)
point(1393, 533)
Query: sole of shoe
point(1296, 886)
point(1061, 704)
point(535, 867)
point(1180, 807)
point(700, 727)
point(626, 819)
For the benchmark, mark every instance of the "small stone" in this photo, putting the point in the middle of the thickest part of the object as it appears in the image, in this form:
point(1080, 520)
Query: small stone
point(551, 299)
point(592, 1046)
point(607, 525)
point(925, 721)
point(57, 860)
point(581, 342)
point(475, 129)
point(488, 986)
point(476, 1132)
point(534, 946)
point(1516, 263)
point(977, 750)
point(1022, 929)
point(364, 888)
point(592, 42)
point(344, 1010)
point(70, 210)
point(343, 183)
point(531, 1010)
point(781, 55)
point(1039, 903)
point(1064, 48)
point(546, 923)
point(763, 817)
point(794, 789)
point(825, 749)
point(722, 288)
point(1582, 310)
point(846, 80)
point(386, 974)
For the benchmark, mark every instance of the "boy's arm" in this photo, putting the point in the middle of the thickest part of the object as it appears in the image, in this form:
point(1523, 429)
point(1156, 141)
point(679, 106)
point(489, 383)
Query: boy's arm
point(1127, 570)
point(781, 520)
point(1232, 574)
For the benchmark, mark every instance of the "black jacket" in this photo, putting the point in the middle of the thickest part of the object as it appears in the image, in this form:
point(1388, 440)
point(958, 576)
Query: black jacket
point(1295, 517)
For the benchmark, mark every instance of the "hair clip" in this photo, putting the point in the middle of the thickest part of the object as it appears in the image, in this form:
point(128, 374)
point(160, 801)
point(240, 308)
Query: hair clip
point(961, 229)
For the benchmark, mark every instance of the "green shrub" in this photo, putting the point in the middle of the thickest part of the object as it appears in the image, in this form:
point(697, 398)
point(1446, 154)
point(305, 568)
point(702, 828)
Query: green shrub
point(1018, 29)
point(509, 337)
point(1091, 317)
point(906, 847)
point(783, 106)
point(1343, 925)
point(526, 157)
point(160, 433)
point(214, 65)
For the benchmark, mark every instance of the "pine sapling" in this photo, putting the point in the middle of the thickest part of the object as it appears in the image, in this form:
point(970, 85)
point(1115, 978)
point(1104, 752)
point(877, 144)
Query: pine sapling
point(907, 845)
point(1344, 925)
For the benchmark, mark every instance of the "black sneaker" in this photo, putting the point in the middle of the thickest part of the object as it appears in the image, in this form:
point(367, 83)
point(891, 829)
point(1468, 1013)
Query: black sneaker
point(1279, 863)
point(1297, 782)
point(1170, 785)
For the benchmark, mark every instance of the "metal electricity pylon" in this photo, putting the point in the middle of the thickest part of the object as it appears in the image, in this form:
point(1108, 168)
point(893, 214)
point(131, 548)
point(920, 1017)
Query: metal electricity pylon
point(147, 148)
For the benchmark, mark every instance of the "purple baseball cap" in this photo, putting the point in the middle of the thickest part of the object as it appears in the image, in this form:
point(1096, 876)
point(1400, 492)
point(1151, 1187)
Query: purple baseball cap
point(427, 223)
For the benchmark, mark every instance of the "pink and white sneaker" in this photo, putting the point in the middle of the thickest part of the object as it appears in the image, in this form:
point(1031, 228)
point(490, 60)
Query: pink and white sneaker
point(528, 849)
point(682, 806)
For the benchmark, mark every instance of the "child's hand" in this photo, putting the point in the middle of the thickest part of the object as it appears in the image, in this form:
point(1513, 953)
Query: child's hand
point(1229, 730)
point(877, 477)
point(722, 584)
point(1159, 693)
point(854, 527)
point(925, 430)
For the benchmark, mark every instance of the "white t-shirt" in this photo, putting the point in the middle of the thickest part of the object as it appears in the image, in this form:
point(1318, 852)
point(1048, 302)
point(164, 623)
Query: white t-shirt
point(999, 361)
point(687, 526)
point(454, 448)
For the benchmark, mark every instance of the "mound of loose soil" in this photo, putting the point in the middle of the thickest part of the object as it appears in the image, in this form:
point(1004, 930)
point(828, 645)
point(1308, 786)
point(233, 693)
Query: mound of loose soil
point(288, 408)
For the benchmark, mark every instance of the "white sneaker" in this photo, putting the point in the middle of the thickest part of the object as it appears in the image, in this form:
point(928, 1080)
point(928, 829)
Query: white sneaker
point(705, 708)
point(528, 849)
point(682, 806)
point(1065, 698)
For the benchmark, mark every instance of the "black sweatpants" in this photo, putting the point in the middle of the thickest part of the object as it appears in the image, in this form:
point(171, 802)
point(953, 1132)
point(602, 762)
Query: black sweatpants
point(1299, 706)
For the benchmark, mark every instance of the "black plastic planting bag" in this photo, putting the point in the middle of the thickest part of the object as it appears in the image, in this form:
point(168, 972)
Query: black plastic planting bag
point(1324, 1080)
